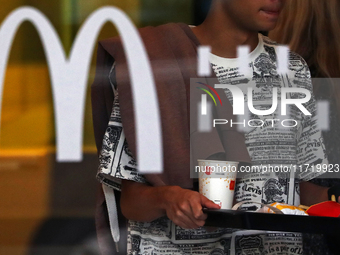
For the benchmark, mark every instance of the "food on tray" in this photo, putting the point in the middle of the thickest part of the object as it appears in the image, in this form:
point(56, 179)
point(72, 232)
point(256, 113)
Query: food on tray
point(286, 209)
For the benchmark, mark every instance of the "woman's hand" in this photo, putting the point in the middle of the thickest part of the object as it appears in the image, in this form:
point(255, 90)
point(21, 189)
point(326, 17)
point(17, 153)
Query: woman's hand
point(184, 207)
point(145, 203)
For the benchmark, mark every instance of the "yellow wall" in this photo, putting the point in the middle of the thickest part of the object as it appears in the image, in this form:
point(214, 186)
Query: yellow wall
point(27, 138)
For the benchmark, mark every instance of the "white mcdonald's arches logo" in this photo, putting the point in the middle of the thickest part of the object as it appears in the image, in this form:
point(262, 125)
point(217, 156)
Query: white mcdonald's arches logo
point(69, 79)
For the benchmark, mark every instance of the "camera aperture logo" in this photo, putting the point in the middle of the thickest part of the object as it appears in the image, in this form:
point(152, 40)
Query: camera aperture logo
point(213, 90)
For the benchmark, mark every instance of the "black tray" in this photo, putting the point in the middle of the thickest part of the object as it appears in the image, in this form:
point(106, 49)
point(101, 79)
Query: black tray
point(272, 222)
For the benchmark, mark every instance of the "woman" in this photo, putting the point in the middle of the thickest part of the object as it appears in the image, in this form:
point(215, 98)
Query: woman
point(311, 29)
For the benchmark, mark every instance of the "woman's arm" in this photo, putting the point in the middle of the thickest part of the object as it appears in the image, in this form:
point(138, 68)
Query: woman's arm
point(311, 193)
point(141, 202)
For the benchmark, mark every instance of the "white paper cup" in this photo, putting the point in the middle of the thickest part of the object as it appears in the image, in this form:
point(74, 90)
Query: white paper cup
point(217, 181)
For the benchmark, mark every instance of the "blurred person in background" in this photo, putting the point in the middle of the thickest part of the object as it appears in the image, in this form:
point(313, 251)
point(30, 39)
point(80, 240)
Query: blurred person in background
point(311, 28)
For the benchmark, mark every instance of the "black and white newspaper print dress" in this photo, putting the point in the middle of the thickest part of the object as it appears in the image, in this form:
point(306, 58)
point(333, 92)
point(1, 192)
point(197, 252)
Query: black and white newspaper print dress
point(267, 145)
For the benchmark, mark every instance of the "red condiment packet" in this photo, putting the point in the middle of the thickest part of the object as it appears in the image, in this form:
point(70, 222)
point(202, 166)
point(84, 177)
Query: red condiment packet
point(327, 209)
